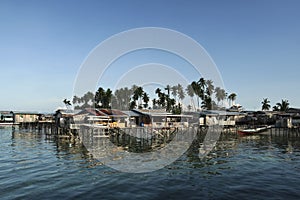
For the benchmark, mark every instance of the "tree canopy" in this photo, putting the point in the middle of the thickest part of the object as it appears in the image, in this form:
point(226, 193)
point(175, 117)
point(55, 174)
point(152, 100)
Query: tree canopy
point(171, 97)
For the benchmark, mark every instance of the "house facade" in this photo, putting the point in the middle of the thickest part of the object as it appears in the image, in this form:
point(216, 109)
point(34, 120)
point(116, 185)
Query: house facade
point(218, 117)
point(102, 117)
point(26, 117)
point(161, 119)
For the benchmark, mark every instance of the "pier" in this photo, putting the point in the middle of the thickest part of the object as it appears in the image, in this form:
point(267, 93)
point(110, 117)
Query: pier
point(287, 132)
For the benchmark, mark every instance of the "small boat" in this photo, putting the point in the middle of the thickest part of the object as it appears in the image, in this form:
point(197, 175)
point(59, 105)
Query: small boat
point(6, 124)
point(251, 131)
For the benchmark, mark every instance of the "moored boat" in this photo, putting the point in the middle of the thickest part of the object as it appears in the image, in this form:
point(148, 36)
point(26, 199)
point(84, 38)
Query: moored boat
point(253, 130)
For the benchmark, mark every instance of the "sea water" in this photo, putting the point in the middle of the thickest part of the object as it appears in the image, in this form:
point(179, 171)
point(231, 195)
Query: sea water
point(266, 166)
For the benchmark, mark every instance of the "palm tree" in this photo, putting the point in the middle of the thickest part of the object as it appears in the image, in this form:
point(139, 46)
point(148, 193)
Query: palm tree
point(99, 97)
point(75, 99)
point(197, 90)
point(114, 102)
point(159, 94)
point(103, 98)
point(137, 94)
point(207, 103)
point(220, 94)
point(232, 98)
point(126, 95)
point(162, 99)
point(223, 94)
point(119, 99)
point(283, 106)
point(170, 103)
point(209, 87)
point(123, 98)
point(202, 86)
point(265, 104)
point(190, 92)
point(158, 91)
point(168, 88)
point(174, 90)
point(180, 91)
point(145, 99)
point(132, 105)
point(154, 101)
point(275, 108)
point(107, 98)
point(202, 83)
point(87, 97)
point(133, 88)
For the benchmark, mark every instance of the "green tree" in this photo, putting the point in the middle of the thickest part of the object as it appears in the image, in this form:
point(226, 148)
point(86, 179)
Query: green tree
point(232, 98)
point(123, 98)
point(168, 88)
point(162, 99)
point(207, 103)
point(103, 98)
point(190, 92)
point(158, 92)
point(202, 86)
point(76, 100)
point(145, 99)
point(107, 98)
point(99, 96)
point(209, 87)
point(283, 106)
point(174, 91)
point(220, 94)
point(177, 109)
point(170, 103)
point(154, 102)
point(197, 91)
point(265, 104)
point(180, 91)
point(275, 108)
point(132, 105)
point(87, 99)
point(137, 95)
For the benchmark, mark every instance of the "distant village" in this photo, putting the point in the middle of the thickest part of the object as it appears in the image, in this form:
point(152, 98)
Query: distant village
point(155, 118)
point(130, 108)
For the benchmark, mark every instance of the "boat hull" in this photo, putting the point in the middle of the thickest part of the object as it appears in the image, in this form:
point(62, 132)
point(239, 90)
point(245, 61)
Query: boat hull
point(252, 131)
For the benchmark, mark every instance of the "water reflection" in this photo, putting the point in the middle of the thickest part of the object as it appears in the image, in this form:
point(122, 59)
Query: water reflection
point(31, 165)
point(230, 147)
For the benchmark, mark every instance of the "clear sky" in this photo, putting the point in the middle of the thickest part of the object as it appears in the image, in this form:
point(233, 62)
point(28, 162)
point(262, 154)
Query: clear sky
point(255, 44)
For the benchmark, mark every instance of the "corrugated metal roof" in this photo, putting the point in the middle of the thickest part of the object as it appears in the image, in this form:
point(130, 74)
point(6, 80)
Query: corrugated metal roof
point(67, 111)
point(152, 112)
point(91, 111)
point(26, 112)
point(131, 113)
point(159, 113)
point(219, 112)
point(112, 112)
point(103, 112)
point(6, 112)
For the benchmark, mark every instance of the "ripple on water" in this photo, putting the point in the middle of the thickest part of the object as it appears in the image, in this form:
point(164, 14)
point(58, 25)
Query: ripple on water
point(32, 167)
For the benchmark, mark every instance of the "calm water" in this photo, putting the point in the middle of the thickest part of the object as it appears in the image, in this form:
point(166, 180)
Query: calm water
point(256, 167)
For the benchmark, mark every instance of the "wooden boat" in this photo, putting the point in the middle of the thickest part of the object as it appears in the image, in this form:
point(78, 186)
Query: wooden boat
point(6, 124)
point(251, 131)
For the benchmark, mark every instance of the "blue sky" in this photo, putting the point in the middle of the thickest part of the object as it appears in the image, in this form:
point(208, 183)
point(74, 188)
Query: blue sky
point(255, 44)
